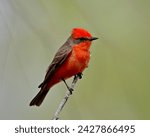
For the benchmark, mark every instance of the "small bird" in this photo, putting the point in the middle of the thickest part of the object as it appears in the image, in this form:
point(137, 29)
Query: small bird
point(70, 60)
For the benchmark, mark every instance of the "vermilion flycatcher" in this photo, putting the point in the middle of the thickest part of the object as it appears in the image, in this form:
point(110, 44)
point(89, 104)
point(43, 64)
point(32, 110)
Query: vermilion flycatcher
point(70, 60)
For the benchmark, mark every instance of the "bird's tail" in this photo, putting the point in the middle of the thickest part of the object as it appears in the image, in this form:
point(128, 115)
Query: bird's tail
point(38, 99)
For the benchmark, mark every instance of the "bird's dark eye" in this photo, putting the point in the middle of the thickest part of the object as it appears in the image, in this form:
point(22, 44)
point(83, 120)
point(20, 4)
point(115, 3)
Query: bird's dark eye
point(82, 39)
point(79, 40)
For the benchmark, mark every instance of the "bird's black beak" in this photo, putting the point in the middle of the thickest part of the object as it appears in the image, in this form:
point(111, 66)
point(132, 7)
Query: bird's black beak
point(93, 38)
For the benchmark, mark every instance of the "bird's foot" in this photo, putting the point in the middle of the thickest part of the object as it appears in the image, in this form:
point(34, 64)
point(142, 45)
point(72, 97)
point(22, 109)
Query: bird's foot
point(70, 90)
point(80, 75)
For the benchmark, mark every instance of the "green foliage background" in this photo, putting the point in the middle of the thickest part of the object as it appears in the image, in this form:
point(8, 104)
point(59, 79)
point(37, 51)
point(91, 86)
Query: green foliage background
point(116, 85)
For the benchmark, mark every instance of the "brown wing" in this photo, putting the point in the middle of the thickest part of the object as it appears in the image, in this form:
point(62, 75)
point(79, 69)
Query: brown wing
point(59, 58)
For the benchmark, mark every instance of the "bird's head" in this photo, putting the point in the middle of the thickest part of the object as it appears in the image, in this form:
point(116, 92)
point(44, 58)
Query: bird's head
point(82, 35)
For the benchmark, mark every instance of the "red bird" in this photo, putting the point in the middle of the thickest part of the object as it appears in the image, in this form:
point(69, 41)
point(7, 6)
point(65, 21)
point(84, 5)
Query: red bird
point(70, 60)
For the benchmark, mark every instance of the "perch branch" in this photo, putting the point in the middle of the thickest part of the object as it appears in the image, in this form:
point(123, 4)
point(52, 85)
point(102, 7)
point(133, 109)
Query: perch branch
point(64, 100)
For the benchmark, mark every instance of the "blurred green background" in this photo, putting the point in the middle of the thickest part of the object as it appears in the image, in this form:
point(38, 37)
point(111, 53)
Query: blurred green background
point(116, 85)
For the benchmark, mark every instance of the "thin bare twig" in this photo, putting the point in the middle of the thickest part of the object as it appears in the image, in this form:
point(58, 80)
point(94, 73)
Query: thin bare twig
point(64, 100)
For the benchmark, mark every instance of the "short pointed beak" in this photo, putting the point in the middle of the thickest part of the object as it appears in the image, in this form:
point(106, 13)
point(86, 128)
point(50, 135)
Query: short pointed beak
point(93, 38)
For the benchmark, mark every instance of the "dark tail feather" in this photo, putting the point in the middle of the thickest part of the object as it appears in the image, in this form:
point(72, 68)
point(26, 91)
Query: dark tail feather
point(38, 99)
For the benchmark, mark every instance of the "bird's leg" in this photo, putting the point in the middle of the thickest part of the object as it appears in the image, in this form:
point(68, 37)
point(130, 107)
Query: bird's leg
point(80, 75)
point(70, 89)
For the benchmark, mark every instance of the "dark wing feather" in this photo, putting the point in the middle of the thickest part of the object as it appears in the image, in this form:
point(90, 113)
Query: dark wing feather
point(59, 58)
